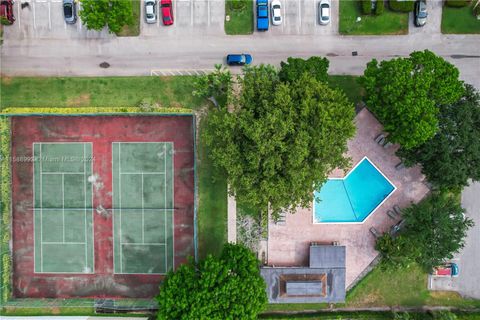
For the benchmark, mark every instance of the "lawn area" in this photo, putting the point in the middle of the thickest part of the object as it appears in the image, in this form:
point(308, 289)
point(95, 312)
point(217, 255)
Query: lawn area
point(349, 85)
point(132, 30)
point(241, 20)
point(98, 92)
point(388, 22)
point(382, 288)
point(212, 209)
point(459, 20)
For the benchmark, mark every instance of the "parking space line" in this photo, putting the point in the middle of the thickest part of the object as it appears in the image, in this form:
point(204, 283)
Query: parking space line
point(208, 12)
point(49, 17)
point(314, 13)
point(285, 11)
point(79, 19)
point(174, 13)
point(192, 6)
point(19, 16)
point(300, 14)
point(34, 16)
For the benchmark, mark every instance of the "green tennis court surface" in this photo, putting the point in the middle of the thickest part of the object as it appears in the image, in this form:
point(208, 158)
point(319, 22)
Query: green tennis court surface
point(143, 207)
point(63, 208)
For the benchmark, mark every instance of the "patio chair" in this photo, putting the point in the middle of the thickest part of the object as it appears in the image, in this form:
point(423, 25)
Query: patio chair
point(397, 210)
point(400, 165)
point(379, 138)
point(375, 232)
point(387, 144)
point(391, 214)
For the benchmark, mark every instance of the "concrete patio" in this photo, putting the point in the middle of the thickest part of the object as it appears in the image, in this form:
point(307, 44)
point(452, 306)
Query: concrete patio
point(288, 244)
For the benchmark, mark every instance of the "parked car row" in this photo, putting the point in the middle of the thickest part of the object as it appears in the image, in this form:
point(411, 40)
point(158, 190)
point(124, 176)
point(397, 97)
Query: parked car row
point(166, 10)
point(324, 9)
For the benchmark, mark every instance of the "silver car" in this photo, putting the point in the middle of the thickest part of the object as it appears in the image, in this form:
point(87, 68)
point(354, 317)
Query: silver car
point(324, 12)
point(150, 11)
point(420, 13)
point(69, 11)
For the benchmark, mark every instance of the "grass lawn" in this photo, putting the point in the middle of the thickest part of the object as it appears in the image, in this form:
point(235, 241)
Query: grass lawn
point(241, 21)
point(349, 85)
point(388, 22)
point(98, 92)
point(459, 20)
point(132, 30)
point(212, 209)
point(384, 288)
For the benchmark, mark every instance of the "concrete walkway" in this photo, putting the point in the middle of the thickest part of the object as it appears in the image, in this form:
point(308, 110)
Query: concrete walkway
point(232, 220)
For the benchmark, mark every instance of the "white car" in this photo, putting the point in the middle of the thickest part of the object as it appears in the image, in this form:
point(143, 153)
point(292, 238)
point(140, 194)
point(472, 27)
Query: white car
point(276, 9)
point(150, 11)
point(324, 12)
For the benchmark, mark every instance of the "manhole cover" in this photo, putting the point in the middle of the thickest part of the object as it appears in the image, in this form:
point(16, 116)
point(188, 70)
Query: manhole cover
point(104, 65)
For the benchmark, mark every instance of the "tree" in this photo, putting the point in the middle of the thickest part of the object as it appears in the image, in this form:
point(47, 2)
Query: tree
point(405, 94)
point(294, 68)
point(96, 14)
point(282, 140)
point(434, 230)
point(228, 287)
point(121, 13)
point(216, 86)
point(452, 156)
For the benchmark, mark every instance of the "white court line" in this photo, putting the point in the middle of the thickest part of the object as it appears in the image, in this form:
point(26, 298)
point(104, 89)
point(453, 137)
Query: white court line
point(120, 203)
point(141, 172)
point(165, 202)
point(41, 212)
point(143, 213)
point(85, 205)
point(143, 244)
point(60, 172)
point(63, 207)
point(57, 242)
point(172, 186)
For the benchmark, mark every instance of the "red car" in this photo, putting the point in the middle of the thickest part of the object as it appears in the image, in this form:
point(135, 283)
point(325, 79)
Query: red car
point(167, 12)
point(6, 11)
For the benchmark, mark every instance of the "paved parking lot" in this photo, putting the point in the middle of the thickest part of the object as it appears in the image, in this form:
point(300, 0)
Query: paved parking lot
point(301, 17)
point(44, 19)
point(190, 16)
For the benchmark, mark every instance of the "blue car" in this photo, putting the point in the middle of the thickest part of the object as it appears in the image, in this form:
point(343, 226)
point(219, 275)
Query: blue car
point(239, 59)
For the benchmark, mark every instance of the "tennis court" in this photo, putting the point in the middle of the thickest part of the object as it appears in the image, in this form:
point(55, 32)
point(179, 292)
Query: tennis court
point(143, 207)
point(63, 213)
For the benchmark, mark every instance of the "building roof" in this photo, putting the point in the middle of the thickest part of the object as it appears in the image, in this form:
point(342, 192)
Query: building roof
point(322, 281)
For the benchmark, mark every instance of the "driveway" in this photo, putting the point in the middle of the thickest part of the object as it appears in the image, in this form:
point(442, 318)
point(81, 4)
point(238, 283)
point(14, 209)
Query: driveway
point(468, 260)
point(434, 21)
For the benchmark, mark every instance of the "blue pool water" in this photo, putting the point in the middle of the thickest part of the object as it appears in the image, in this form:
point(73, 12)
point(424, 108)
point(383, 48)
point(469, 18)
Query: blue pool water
point(354, 197)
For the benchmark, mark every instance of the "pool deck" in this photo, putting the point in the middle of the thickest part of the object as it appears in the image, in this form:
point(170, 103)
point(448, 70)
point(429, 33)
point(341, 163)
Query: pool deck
point(288, 243)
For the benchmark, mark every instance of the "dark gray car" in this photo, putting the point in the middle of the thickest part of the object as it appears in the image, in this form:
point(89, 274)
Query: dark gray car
point(70, 11)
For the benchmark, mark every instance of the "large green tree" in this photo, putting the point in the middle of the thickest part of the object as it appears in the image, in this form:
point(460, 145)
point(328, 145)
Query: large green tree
point(228, 287)
point(405, 94)
point(294, 68)
point(435, 229)
point(452, 156)
point(96, 14)
point(282, 139)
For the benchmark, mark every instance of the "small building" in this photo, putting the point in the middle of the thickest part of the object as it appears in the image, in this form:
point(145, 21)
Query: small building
point(322, 281)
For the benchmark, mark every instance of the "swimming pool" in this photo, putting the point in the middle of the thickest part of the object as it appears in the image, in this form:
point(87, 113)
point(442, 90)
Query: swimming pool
point(354, 197)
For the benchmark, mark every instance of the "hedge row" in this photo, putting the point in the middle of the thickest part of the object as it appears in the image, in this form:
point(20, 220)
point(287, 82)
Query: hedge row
point(457, 3)
point(5, 231)
point(402, 6)
point(95, 110)
point(367, 7)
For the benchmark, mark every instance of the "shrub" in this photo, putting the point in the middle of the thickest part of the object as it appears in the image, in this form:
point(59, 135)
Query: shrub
point(6, 265)
point(380, 7)
point(366, 6)
point(402, 6)
point(238, 4)
point(457, 3)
